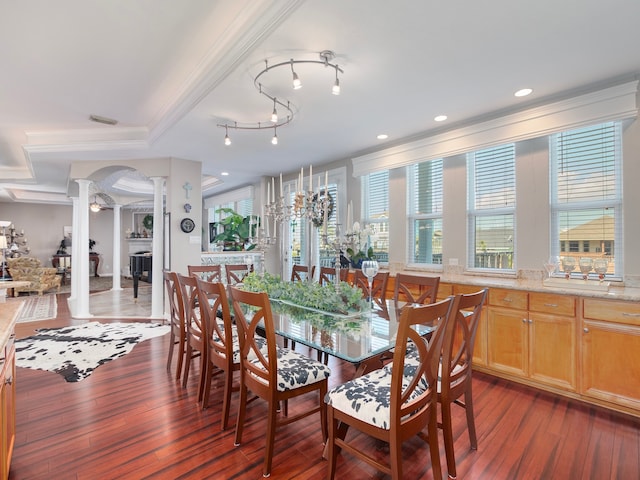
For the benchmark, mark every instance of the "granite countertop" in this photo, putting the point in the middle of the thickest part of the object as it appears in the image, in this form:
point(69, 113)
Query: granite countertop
point(8, 314)
point(534, 283)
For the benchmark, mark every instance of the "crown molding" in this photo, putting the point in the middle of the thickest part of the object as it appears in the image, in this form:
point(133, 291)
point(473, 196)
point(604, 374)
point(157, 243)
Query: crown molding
point(613, 103)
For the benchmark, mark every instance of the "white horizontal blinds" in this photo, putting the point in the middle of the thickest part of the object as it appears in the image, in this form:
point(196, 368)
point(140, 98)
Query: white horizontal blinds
point(491, 208)
point(376, 212)
point(586, 195)
point(425, 212)
point(245, 207)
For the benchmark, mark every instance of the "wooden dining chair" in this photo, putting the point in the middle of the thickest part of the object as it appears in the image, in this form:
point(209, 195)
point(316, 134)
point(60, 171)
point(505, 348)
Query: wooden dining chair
point(195, 329)
point(210, 273)
point(415, 289)
point(301, 273)
point(378, 288)
point(456, 369)
point(328, 275)
point(236, 272)
point(222, 342)
point(178, 329)
point(394, 403)
point(277, 376)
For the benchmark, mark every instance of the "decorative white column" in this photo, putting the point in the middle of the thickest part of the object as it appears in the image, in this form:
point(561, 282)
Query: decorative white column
point(80, 248)
point(117, 240)
point(74, 245)
point(157, 284)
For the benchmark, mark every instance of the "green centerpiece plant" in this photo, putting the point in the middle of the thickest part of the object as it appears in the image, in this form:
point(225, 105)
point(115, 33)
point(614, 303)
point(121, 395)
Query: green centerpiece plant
point(343, 300)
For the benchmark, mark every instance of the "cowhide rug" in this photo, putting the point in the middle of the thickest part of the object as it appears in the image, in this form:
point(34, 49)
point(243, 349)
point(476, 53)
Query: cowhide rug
point(75, 352)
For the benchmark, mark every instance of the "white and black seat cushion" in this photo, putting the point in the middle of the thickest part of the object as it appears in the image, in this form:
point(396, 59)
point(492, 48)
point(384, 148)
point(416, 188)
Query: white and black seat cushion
point(296, 370)
point(368, 397)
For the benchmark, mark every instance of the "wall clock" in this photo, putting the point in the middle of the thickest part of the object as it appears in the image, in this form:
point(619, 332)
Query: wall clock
point(187, 225)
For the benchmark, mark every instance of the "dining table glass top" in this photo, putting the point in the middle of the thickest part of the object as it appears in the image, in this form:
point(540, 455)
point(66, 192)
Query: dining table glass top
point(354, 338)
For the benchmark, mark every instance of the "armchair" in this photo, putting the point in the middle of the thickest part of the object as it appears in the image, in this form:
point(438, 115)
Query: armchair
point(30, 269)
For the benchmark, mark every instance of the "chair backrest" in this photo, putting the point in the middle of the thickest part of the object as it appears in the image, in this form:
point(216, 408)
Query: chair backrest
point(415, 289)
point(210, 273)
point(176, 303)
point(260, 373)
point(378, 287)
point(301, 273)
point(457, 352)
point(328, 275)
point(236, 272)
point(413, 390)
point(195, 327)
point(215, 313)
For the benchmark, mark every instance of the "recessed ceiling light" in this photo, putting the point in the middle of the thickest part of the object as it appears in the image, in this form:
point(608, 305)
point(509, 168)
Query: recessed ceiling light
point(224, 174)
point(382, 136)
point(523, 92)
point(440, 118)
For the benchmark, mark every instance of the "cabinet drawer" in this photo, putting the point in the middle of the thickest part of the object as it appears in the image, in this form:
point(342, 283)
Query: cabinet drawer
point(612, 311)
point(551, 303)
point(502, 297)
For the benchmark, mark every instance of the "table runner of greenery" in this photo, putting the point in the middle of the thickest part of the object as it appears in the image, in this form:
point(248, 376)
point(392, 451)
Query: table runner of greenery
point(344, 299)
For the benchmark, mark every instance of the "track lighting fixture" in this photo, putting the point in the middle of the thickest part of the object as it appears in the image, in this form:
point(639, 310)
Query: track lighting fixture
point(326, 56)
point(274, 140)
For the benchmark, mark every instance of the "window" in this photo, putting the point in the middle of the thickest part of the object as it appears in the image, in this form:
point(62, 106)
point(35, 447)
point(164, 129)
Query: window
point(586, 194)
point(375, 212)
point(491, 208)
point(425, 212)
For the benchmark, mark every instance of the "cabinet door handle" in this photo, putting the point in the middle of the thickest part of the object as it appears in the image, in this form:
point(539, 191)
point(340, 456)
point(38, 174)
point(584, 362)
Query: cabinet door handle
point(626, 314)
point(585, 330)
point(508, 300)
point(530, 321)
point(524, 320)
point(554, 305)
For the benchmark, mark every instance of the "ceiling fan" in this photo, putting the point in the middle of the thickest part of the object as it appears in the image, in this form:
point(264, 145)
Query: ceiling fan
point(96, 206)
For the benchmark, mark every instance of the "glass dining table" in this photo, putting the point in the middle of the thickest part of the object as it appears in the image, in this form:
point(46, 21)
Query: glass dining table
point(363, 338)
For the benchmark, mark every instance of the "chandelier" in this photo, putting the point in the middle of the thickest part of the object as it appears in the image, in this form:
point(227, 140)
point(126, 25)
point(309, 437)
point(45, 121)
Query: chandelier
point(287, 109)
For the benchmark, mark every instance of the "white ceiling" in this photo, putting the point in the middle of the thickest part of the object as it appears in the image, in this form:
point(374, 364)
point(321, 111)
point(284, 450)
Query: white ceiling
point(170, 71)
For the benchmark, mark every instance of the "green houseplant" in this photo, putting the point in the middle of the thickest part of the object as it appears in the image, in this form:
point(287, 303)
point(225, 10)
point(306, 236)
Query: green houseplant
point(237, 230)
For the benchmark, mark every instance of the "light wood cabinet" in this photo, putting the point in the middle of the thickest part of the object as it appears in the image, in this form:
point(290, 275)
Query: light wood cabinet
point(7, 405)
point(611, 351)
point(532, 336)
point(480, 346)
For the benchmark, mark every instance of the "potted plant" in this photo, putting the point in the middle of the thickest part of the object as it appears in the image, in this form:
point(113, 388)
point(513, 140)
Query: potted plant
point(237, 230)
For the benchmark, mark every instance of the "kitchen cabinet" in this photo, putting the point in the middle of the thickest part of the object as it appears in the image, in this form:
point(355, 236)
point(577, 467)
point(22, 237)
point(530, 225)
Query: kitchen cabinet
point(610, 339)
point(7, 387)
point(532, 335)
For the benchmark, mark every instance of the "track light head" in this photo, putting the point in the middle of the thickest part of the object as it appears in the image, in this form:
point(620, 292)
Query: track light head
point(297, 84)
point(274, 139)
point(227, 140)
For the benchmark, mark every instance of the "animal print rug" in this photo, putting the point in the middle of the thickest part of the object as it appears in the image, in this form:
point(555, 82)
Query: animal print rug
point(75, 352)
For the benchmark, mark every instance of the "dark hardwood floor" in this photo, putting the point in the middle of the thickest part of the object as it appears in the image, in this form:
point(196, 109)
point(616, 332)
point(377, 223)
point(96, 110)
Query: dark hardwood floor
point(132, 420)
